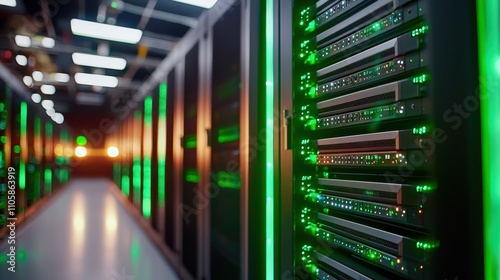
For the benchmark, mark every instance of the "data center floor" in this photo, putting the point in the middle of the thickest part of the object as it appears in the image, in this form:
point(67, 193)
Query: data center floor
point(84, 233)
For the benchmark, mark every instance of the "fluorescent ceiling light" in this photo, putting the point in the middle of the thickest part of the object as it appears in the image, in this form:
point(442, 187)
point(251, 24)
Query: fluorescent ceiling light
point(10, 3)
point(22, 60)
point(80, 151)
point(50, 112)
point(207, 4)
point(22, 41)
point(48, 43)
point(48, 89)
point(58, 118)
point(47, 104)
point(96, 80)
point(28, 81)
point(36, 97)
point(113, 152)
point(61, 77)
point(37, 76)
point(99, 61)
point(105, 31)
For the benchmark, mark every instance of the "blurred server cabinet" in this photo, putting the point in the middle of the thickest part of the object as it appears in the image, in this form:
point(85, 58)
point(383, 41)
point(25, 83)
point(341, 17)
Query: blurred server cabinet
point(35, 152)
point(206, 186)
point(386, 178)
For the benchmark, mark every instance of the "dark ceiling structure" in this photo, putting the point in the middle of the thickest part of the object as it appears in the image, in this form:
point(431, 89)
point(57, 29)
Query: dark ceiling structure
point(46, 64)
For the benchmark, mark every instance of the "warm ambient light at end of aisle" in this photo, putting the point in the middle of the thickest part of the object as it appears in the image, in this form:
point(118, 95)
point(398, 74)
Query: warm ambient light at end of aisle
point(80, 151)
point(113, 151)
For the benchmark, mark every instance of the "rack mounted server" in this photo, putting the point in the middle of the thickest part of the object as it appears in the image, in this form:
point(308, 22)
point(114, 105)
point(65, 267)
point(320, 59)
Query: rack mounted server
point(362, 71)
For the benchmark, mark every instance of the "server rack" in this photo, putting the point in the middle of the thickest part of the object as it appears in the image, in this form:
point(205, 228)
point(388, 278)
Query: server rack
point(372, 84)
point(215, 207)
point(36, 153)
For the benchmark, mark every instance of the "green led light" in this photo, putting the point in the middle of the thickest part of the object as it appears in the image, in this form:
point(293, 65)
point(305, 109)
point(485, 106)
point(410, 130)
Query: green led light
point(420, 31)
point(426, 245)
point(146, 190)
point(488, 16)
point(22, 175)
point(311, 59)
point(313, 159)
point(420, 79)
point(60, 160)
point(148, 111)
point(17, 149)
point(313, 269)
point(190, 142)
point(192, 176)
point(228, 134)
point(147, 143)
point(24, 117)
point(126, 185)
point(311, 26)
point(228, 180)
point(312, 92)
point(3, 139)
point(423, 189)
point(81, 140)
point(114, 5)
point(370, 193)
point(48, 181)
point(162, 141)
point(269, 151)
point(136, 178)
point(24, 143)
point(312, 124)
point(420, 130)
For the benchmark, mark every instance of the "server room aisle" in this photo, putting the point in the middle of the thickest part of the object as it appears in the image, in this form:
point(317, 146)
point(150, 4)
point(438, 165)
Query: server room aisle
point(85, 233)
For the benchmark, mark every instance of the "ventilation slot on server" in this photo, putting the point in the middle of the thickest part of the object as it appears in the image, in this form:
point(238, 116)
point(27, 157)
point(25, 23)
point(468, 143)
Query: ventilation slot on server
point(391, 140)
point(376, 104)
point(395, 47)
point(375, 99)
point(336, 270)
point(338, 10)
point(372, 191)
point(369, 254)
point(360, 146)
point(343, 79)
point(372, 236)
point(370, 13)
point(366, 237)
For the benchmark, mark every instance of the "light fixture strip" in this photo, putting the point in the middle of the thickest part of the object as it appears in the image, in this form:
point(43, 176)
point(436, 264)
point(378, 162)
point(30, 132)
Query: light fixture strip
point(207, 4)
point(99, 61)
point(96, 80)
point(105, 31)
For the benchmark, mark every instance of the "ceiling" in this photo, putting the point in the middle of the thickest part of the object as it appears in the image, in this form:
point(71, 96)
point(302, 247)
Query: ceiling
point(163, 23)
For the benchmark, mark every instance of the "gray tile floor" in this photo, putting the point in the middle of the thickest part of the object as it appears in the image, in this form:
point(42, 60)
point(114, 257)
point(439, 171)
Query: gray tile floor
point(84, 233)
